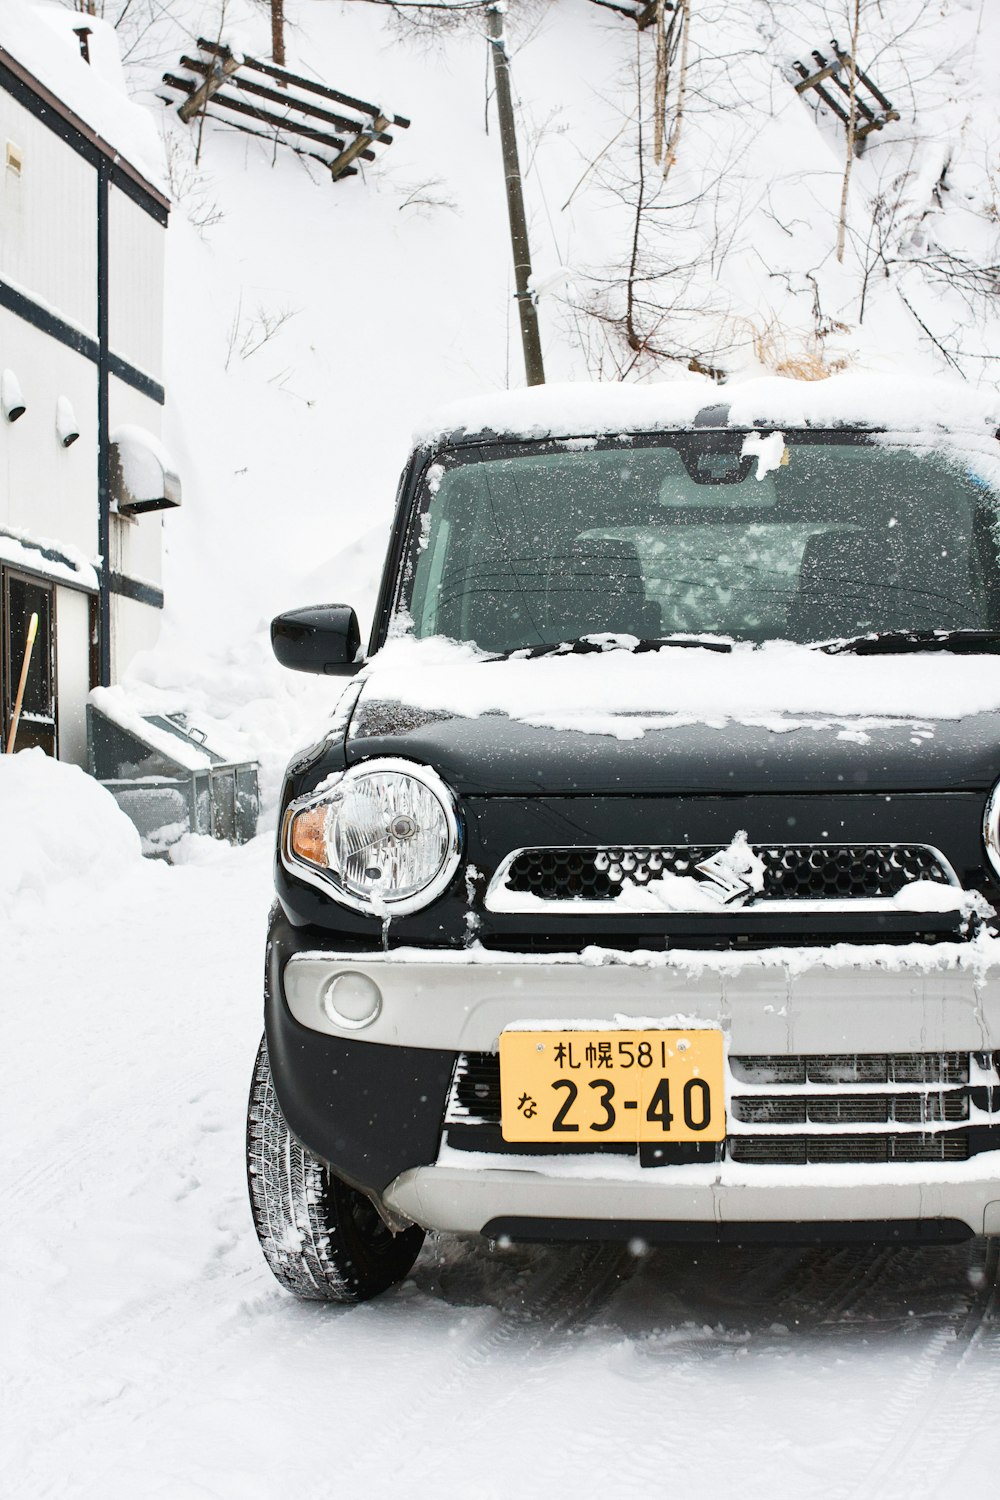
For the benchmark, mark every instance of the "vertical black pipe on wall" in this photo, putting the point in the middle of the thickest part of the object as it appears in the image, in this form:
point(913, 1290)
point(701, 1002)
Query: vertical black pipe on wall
point(103, 426)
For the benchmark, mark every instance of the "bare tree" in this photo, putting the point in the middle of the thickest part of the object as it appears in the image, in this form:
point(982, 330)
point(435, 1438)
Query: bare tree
point(671, 36)
point(852, 125)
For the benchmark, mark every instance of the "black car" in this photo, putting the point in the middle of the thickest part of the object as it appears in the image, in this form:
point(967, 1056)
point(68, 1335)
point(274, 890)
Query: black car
point(643, 885)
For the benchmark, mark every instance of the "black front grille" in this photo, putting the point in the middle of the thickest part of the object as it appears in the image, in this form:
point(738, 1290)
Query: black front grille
point(935, 1099)
point(477, 1086)
point(853, 1067)
point(792, 872)
point(812, 1150)
point(851, 1109)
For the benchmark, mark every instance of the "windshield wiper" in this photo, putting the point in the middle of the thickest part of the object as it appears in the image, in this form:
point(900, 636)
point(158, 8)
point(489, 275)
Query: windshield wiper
point(899, 642)
point(588, 646)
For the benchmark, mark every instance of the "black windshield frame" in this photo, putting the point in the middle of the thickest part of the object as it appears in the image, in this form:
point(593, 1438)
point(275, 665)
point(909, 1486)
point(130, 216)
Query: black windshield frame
point(416, 496)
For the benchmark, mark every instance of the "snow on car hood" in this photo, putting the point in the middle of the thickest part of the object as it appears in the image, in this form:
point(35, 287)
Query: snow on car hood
point(780, 719)
point(779, 687)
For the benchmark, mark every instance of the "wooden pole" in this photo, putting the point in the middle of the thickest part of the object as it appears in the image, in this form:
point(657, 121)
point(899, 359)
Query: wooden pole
point(25, 664)
point(278, 32)
point(357, 147)
point(534, 370)
point(211, 86)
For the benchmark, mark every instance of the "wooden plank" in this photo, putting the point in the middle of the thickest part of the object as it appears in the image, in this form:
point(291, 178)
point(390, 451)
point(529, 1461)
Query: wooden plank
point(877, 124)
point(831, 103)
point(845, 89)
point(827, 98)
point(810, 80)
point(356, 148)
point(290, 127)
point(265, 135)
point(216, 77)
point(276, 96)
point(875, 92)
point(872, 120)
point(218, 50)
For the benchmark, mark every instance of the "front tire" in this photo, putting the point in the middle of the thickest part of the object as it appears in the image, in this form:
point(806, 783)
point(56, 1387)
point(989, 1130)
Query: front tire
point(322, 1239)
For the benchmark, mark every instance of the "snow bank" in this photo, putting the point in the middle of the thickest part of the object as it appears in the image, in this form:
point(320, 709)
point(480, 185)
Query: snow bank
point(779, 686)
point(59, 827)
point(569, 409)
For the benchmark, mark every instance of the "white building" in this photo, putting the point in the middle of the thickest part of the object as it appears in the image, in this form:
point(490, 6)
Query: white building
point(82, 473)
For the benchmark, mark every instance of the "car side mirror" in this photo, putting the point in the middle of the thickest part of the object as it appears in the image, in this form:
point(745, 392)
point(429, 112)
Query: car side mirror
point(325, 638)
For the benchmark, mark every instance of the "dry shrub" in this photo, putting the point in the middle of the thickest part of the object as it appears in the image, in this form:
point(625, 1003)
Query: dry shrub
point(774, 346)
point(810, 367)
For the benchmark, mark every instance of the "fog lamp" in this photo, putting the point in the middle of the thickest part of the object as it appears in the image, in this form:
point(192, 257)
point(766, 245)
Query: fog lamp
point(351, 999)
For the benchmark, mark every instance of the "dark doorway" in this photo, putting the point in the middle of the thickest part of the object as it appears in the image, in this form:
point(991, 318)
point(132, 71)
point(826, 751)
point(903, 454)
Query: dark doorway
point(21, 598)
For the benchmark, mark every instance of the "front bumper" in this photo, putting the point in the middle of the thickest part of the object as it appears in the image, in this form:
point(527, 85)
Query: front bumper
point(371, 1101)
point(695, 1202)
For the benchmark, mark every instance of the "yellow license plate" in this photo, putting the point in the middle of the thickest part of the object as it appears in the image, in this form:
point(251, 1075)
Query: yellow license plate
point(576, 1086)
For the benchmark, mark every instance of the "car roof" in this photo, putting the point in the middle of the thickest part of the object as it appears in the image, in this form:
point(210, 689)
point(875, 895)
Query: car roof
point(875, 402)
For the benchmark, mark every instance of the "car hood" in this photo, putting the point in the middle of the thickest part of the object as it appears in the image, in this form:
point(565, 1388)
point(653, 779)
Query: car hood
point(774, 719)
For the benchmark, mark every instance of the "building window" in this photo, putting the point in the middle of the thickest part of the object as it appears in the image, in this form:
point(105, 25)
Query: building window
point(20, 598)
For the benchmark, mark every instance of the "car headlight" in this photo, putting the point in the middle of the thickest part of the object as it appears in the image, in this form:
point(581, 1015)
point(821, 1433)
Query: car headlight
point(382, 838)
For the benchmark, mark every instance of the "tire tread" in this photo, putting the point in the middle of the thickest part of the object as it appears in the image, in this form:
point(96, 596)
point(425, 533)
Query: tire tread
point(302, 1212)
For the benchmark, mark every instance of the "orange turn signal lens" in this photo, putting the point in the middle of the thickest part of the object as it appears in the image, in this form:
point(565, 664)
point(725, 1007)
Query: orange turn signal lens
point(308, 836)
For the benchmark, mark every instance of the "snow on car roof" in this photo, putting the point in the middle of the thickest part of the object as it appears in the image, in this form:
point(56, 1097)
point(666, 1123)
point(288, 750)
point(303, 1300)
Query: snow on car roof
point(850, 399)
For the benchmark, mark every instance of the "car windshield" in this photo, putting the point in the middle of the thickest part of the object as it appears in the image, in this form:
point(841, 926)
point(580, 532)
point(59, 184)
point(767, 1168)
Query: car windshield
point(766, 536)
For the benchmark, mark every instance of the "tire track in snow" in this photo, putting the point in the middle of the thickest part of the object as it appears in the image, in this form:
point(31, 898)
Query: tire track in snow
point(936, 1422)
point(35, 1184)
point(552, 1299)
point(869, 1285)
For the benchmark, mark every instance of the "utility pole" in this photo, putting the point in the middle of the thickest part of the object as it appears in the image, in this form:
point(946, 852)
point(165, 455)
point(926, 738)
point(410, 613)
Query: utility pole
point(533, 369)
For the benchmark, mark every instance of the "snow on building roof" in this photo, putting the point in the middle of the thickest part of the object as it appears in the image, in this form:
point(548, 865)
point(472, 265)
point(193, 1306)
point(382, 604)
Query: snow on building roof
point(52, 559)
point(855, 399)
point(43, 41)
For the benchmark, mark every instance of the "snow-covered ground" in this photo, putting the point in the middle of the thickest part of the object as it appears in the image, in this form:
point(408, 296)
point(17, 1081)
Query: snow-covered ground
point(147, 1352)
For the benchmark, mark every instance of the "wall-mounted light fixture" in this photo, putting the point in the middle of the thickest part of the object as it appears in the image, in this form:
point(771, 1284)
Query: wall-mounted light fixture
point(11, 399)
point(66, 424)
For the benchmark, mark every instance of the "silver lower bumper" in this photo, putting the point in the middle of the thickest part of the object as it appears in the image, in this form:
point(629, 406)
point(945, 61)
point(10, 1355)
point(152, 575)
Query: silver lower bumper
point(464, 1199)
